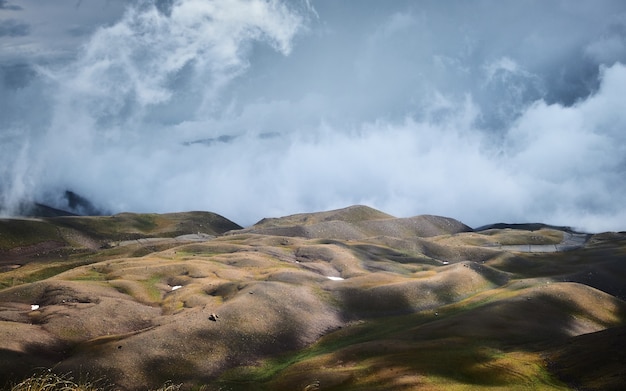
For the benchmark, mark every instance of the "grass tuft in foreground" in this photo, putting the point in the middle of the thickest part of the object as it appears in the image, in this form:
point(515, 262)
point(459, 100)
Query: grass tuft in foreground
point(49, 381)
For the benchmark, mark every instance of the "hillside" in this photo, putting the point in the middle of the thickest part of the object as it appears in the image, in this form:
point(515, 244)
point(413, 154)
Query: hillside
point(350, 299)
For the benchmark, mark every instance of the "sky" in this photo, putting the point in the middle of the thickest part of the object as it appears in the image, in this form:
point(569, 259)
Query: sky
point(485, 111)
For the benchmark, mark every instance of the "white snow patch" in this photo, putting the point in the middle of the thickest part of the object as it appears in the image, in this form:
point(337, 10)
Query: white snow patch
point(334, 278)
point(34, 307)
point(176, 287)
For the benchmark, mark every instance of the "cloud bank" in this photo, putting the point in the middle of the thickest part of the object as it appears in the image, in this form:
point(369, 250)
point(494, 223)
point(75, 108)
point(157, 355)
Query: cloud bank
point(482, 111)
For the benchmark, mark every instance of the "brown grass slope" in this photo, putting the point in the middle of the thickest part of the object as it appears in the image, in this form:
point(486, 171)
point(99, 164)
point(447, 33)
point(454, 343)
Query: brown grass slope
point(349, 214)
point(249, 311)
point(123, 319)
point(63, 242)
point(129, 226)
point(19, 234)
point(357, 222)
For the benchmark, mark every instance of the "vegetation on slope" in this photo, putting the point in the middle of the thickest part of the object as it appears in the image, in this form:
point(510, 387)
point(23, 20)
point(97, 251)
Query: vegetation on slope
point(251, 311)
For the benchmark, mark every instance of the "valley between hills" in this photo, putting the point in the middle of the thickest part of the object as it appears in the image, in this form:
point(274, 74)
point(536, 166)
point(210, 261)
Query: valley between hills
point(349, 299)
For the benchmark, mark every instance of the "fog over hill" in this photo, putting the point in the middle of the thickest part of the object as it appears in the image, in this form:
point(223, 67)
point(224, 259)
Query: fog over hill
point(485, 111)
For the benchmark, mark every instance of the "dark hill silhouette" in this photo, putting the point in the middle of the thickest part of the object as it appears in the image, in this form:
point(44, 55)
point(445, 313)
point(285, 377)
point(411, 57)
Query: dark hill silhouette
point(526, 227)
point(69, 204)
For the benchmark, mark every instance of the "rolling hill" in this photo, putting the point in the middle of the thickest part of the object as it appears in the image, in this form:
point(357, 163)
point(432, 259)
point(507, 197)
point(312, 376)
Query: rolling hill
point(349, 299)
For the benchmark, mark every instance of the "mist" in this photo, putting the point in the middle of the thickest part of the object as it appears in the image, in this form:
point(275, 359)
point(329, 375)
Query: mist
point(484, 111)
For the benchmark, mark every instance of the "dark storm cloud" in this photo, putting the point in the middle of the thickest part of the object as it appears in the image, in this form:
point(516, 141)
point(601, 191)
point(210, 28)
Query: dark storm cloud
point(4, 5)
point(13, 28)
point(80, 31)
point(17, 76)
point(164, 6)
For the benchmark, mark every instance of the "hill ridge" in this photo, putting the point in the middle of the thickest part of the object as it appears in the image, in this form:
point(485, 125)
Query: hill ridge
point(355, 222)
point(351, 298)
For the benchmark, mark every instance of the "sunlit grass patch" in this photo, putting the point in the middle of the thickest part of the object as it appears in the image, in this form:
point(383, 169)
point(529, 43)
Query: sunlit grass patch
point(150, 285)
point(143, 291)
point(454, 364)
point(515, 236)
point(88, 275)
point(464, 363)
point(123, 226)
point(34, 272)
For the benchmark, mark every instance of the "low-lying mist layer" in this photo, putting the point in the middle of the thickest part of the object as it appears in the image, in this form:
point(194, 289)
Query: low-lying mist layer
point(486, 111)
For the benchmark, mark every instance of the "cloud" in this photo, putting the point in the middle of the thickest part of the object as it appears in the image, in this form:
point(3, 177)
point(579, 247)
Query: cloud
point(611, 46)
point(480, 111)
point(139, 67)
point(164, 6)
point(13, 28)
point(15, 76)
point(4, 5)
point(573, 157)
point(154, 55)
point(555, 162)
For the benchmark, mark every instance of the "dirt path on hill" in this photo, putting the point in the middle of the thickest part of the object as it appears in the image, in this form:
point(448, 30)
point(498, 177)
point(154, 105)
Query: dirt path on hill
point(199, 237)
point(571, 241)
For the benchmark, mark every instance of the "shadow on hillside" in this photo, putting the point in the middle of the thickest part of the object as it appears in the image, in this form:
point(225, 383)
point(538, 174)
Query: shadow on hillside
point(591, 361)
point(35, 356)
point(481, 346)
point(18, 365)
point(601, 266)
point(371, 252)
point(164, 369)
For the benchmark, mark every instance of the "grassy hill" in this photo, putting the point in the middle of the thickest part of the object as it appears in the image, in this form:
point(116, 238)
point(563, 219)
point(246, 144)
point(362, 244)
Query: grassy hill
point(351, 299)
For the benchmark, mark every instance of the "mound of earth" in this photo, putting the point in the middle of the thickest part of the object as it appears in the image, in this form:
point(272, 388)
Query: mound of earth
point(356, 222)
point(348, 299)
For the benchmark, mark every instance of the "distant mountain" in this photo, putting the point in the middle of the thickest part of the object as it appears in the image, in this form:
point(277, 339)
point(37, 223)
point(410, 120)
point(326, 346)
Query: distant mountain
point(40, 210)
point(525, 227)
point(74, 205)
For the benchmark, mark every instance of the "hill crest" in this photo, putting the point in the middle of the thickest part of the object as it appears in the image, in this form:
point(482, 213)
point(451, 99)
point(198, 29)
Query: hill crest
point(356, 222)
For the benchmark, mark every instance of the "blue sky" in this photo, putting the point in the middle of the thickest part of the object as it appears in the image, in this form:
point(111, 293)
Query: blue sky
point(484, 111)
